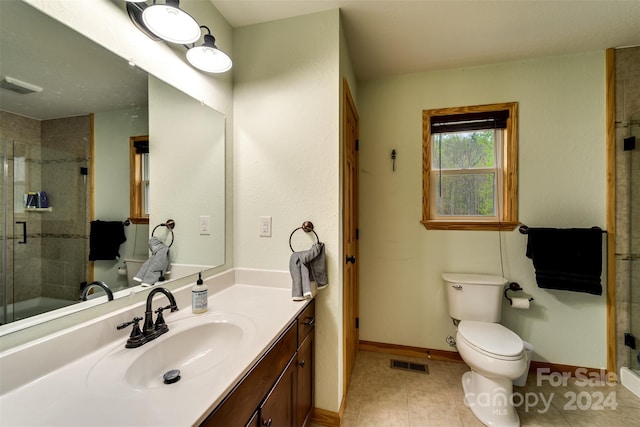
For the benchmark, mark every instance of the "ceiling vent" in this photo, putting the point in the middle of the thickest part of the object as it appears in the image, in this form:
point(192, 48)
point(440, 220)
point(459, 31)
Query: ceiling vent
point(18, 86)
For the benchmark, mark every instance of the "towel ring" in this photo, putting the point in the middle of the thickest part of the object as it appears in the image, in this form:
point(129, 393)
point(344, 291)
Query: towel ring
point(170, 224)
point(307, 227)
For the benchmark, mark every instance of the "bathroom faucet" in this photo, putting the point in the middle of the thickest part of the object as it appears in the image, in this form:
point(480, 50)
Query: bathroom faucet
point(103, 285)
point(149, 329)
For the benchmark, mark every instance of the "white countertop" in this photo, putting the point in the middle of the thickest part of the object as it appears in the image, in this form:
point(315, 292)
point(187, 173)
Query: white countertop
point(71, 396)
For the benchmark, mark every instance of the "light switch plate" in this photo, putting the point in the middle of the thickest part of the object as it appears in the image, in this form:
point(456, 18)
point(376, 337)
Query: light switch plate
point(204, 225)
point(265, 226)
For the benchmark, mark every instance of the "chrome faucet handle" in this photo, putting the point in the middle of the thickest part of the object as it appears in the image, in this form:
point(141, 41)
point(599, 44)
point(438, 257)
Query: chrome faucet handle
point(136, 338)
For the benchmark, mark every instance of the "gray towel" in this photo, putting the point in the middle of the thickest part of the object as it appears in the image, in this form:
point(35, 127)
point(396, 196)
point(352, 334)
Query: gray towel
point(156, 265)
point(301, 274)
point(318, 268)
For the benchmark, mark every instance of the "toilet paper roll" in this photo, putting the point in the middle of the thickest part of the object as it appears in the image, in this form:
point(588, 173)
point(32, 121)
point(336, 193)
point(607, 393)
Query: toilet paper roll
point(521, 303)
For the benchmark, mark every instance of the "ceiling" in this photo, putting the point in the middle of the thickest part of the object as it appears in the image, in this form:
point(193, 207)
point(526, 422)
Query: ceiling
point(389, 37)
point(385, 37)
point(77, 75)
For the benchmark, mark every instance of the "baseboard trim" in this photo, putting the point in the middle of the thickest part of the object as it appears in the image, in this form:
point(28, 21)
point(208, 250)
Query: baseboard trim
point(326, 418)
point(454, 356)
point(403, 350)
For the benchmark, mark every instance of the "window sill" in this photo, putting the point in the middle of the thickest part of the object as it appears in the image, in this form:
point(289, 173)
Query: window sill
point(139, 220)
point(469, 225)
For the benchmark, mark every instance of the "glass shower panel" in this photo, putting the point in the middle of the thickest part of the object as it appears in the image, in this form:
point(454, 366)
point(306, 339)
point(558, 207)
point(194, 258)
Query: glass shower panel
point(45, 215)
point(24, 250)
point(4, 180)
point(634, 239)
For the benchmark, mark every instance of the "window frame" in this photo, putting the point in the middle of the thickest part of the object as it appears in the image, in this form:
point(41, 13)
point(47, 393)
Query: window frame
point(507, 177)
point(137, 183)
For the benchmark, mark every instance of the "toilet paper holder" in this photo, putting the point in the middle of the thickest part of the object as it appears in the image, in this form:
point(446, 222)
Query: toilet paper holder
point(513, 286)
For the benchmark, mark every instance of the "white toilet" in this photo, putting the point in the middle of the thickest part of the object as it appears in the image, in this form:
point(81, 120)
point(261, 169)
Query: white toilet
point(133, 266)
point(495, 354)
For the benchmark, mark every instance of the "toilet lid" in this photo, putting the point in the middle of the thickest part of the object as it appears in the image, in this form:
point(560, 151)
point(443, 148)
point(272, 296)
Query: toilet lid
point(491, 337)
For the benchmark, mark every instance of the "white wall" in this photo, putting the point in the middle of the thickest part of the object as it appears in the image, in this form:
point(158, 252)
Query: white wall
point(561, 184)
point(286, 149)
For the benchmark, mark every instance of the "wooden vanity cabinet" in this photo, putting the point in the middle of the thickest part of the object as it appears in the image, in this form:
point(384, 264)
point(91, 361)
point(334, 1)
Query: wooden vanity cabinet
point(278, 408)
point(305, 364)
point(278, 390)
point(255, 420)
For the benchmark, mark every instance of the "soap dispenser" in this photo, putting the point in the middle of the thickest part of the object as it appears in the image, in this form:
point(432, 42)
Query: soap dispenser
point(199, 296)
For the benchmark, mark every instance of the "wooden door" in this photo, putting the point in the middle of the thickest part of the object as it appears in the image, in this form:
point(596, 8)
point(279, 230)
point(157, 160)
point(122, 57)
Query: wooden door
point(350, 234)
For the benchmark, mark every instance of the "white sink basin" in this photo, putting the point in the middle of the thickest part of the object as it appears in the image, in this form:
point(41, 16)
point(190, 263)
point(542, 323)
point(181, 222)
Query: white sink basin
point(193, 345)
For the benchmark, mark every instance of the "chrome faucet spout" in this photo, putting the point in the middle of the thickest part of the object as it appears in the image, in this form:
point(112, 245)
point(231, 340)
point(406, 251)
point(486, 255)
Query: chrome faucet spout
point(100, 284)
point(149, 329)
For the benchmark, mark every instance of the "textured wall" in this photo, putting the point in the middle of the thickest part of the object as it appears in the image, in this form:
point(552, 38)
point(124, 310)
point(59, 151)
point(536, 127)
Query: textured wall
point(561, 184)
point(286, 101)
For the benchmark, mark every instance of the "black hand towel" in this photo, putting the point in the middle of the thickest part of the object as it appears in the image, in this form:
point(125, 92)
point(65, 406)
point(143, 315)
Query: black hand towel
point(568, 259)
point(105, 239)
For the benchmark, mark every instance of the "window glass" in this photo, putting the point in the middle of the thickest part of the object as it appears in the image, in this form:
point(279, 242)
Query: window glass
point(470, 167)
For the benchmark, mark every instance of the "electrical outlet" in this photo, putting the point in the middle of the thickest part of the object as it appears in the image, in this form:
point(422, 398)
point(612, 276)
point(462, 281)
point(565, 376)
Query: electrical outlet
point(204, 225)
point(265, 226)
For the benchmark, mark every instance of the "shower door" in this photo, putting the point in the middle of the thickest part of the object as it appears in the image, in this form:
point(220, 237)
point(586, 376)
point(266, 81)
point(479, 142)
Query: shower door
point(44, 239)
point(634, 240)
point(21, 272)
point(4, 226)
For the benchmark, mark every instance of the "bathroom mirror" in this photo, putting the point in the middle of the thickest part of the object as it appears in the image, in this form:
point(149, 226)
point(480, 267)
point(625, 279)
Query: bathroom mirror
point(80, 78)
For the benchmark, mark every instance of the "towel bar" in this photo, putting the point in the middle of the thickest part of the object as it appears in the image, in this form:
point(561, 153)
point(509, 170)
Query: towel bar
point(523, 229)
point(170, 224)
point(307, 227)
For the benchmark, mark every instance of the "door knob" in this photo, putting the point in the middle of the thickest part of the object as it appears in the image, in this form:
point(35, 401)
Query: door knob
point(351, 259)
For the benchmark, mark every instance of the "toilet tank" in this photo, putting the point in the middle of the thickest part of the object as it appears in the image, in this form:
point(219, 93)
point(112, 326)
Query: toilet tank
point(474, 296)
point(133, 266)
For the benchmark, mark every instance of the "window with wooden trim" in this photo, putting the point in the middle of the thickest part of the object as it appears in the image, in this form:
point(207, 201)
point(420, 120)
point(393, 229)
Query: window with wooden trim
point(139, 179)
point(469, 157)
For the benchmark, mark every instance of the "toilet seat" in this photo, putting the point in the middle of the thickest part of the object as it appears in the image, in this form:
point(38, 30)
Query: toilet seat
point(491, 339)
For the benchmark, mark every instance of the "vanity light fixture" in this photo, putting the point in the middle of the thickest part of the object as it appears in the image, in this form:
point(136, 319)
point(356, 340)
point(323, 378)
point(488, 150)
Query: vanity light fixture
point(207, 57)
point(168, 22)
point(165, 20)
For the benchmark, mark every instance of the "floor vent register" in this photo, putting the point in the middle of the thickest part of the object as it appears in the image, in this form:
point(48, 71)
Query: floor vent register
point(409, 366)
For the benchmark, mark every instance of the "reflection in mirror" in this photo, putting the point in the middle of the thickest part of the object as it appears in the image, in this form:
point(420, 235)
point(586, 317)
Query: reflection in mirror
point(187, 173)
point(70, 142)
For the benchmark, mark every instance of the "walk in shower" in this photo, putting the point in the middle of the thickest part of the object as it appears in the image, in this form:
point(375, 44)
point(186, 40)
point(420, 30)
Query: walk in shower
point(631, 149)
point(44, 238)
point(627, 72)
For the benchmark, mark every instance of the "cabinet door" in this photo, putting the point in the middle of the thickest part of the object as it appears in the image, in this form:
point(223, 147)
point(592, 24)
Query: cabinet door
point(278, 408)
point(255, 420)
point(305, 380)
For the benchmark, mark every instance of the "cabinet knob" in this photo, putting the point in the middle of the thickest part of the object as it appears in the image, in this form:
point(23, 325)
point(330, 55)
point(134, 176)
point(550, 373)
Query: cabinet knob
point(301, 363)
point(267, 423)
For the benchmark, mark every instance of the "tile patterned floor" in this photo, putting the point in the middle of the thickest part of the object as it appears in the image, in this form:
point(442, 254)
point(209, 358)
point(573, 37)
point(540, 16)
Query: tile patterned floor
point(381, 396)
